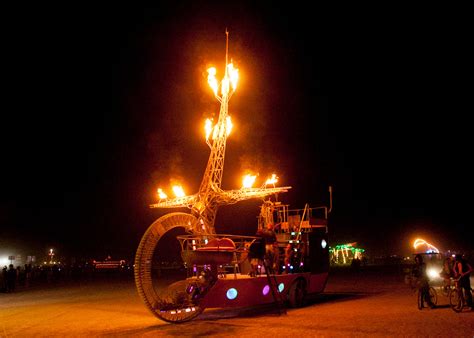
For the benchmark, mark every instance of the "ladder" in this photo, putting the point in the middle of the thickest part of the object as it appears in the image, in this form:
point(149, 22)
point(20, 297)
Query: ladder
point(273, 283)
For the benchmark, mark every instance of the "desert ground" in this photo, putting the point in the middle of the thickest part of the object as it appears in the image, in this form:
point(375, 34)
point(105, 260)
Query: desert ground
point(365, 303)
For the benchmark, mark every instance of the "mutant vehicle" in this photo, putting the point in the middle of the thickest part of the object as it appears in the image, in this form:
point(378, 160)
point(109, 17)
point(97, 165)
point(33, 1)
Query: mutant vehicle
point(283, 262)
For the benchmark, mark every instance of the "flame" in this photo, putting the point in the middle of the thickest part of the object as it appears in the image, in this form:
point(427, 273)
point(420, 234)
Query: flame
point(233, 75)
point(208, 128)
point(248, 181)
point(272, 180)
point(230, 79)
point(178, 191)
point(225, 86)
point(419, 241)
point(229, 125)
point(211, 79)
point(161, 194)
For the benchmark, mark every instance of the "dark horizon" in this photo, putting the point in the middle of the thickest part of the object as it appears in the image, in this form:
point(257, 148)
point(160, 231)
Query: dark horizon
point(104, 105)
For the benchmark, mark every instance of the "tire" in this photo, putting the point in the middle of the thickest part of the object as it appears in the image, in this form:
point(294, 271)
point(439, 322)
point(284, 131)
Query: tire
point(297, 293)
point(456, 300)
point(433, 296)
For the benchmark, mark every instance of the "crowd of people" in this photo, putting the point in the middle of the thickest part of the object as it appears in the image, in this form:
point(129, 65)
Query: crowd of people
point(29, 275)
point(457, 268)
point(13, 277)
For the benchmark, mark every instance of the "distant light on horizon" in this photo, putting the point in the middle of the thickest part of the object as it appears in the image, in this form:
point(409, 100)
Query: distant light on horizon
point(429, 247)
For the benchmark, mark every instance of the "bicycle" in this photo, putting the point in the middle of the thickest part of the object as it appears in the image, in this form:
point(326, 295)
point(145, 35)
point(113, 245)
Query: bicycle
point(422, 302)
point(447, 285)
point(457, 300)
point(416, 285)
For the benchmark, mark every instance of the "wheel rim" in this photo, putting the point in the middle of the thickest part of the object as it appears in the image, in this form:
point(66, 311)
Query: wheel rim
point(455, 300)
point(143, 268)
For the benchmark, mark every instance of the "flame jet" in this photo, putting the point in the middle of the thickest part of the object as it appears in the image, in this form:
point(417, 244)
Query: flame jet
point(210, 196)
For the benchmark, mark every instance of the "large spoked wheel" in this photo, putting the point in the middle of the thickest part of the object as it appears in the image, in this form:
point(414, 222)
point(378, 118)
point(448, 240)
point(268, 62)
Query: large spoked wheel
point(456, 300)
point(169, 305)
point(297, 293)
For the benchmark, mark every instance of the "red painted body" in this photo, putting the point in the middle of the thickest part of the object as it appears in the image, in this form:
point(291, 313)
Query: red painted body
point(250, 289)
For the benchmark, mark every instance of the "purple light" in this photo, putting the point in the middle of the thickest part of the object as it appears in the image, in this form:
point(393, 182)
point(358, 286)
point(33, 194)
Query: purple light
point(266, 290)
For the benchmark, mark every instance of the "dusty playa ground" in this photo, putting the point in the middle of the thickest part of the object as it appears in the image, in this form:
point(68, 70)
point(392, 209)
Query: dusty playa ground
point(371, 302)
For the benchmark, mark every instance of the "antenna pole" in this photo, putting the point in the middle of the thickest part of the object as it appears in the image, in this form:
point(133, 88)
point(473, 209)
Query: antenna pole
point(226, 49)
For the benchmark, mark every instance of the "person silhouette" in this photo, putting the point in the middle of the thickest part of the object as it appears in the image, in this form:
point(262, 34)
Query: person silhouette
point(11, 278)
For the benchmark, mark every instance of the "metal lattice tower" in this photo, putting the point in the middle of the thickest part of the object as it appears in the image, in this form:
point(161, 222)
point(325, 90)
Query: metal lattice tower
point(210, 196)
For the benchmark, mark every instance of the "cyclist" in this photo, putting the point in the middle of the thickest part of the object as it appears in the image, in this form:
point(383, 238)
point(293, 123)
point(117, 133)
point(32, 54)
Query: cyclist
point(447, 273)
point(419, 273)
point(462, 270)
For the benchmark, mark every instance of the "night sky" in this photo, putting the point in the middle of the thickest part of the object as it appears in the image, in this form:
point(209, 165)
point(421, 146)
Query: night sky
point(103, 105)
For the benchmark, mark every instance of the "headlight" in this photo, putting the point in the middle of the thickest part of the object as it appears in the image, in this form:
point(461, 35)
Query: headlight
point(433, 273)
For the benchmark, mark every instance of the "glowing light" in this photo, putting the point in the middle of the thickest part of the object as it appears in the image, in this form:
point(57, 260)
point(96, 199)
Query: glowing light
point(429, 247)
point(323, 244)
point(281, 287)
point(231, 293)
point(211, 79)
point(161, 194)
point(178, 191)
point(230, 80)
point(266, 290)
point(248, 181)
point(433, 273)
point(208, 128)
point(229, 125)
point(233, 75)
point(225, 86)
point(343, 253)
point(272, 180)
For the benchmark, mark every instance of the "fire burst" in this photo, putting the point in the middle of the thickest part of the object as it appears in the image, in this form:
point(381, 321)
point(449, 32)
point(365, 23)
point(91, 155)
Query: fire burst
point(205, 202)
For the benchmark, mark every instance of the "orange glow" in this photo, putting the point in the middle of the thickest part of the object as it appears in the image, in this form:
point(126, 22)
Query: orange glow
point(178, 191)
point(229, 125)
point(419, 242)
point(225, 86)
point(248, 181)
point(211, 79)
point(230, 80)
point(208, 128)
point(272, 180)
point(161, 194)
point(233, 75)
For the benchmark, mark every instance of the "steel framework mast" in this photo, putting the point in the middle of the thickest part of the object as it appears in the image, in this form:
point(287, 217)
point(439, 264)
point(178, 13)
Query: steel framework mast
point(210, 196)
